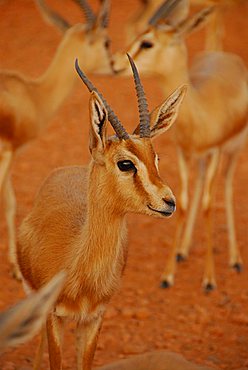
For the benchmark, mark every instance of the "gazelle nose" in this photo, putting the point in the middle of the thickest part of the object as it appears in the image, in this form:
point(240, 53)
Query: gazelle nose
point(171, 203)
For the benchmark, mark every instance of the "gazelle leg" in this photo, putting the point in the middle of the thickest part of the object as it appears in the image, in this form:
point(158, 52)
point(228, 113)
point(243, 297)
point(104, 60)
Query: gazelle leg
point(235, 259)
point(209, 282)
point(183, 250)
point(40, 351)
point(8, 196)
point(86, 340)
point(167, 278)
point(10, 213)
point(6, 157)
point(55, 326)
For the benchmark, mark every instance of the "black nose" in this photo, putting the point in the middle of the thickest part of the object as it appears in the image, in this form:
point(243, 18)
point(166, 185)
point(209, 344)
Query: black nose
point(112, 65)
point(170, 202)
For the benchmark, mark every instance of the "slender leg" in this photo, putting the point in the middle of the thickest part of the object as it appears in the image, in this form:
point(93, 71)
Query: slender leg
point(8, 195)
point(183, 251)
point(86, 340)
point(234, 253)
point(54, 339)
point(40, 351)
point(209, 282)
point(6, 157)
point(167, 278)
point(10, 213)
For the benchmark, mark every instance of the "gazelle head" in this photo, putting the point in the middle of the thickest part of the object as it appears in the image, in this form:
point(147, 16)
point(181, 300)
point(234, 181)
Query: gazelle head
point(86, 41)
point(127, 163)
point(161, 46)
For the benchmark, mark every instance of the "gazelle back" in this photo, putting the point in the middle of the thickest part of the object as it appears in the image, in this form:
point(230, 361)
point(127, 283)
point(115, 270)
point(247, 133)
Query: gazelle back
point(78, 224)
point(26, 105)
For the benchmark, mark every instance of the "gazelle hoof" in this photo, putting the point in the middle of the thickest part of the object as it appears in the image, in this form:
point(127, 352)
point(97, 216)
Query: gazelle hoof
point(180, 257)
point(237, 267)
point(209, 287)
point(165, 284)
point(16, 274)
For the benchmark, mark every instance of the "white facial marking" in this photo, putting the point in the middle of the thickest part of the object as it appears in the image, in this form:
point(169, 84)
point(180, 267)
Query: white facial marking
point(156, 162)
point(148, 185)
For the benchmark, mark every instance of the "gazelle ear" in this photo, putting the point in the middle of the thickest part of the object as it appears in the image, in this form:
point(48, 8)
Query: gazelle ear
point(193, 23)
point(165, 114)
point(98, 120)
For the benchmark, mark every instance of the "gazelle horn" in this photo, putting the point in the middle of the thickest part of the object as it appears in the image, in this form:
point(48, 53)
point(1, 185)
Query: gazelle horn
point(142, 102)
point(113, 119)
point(104, 13)
point(88, 12)
point(163, 11)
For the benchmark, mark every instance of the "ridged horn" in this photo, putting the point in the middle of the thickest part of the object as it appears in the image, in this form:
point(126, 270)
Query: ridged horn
point(104, 13)
point(113, 119)
point(144, 117)
point(163, 11)
point(88, 12)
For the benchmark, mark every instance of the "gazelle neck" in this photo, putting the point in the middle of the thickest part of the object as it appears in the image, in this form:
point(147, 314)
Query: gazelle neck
point(105, 227)
point(187, 122)
point(57, 81)
point(174, 71)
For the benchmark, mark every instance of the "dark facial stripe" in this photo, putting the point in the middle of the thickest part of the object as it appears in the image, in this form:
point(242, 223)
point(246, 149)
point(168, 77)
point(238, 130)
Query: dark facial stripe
point(146, 155)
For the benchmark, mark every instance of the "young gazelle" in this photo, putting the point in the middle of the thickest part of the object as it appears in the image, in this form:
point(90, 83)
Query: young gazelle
point(213, 120)
point(21, 322)
point(27, 105)
point(78, 220)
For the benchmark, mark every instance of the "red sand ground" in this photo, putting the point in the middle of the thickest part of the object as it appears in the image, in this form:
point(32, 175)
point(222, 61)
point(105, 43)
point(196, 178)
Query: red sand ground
point(209, 329)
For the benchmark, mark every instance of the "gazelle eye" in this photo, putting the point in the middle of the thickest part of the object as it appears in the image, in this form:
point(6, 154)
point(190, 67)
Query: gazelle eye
point(107, 44)
point(127, 165)
point(146, 45)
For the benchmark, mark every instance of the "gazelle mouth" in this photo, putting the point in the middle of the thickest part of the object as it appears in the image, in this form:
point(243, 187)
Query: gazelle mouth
point(164, 213)
point(118, 71)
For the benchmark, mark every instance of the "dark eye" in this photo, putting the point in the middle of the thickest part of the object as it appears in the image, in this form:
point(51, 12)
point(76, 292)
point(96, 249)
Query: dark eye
point(146, 45)
point(126, 166)
point(107, 44)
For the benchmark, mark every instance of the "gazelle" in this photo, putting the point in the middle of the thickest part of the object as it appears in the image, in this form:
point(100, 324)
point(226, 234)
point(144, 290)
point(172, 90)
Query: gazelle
point(78, 220)
point(213, 120)
point(27, 105)
point(21, 322)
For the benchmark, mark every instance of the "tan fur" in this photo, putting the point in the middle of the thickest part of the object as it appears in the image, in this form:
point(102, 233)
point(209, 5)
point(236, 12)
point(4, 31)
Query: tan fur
point(27, 105)
point(78, 225)
point(160, 360)
point(213, 119)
